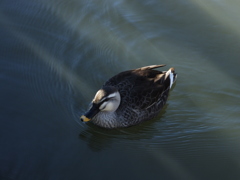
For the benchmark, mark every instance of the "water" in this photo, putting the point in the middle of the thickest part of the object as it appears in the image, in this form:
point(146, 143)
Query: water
point(54, 56)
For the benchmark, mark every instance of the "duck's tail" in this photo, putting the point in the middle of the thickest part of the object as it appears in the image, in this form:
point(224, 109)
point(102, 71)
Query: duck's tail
point(171, 75)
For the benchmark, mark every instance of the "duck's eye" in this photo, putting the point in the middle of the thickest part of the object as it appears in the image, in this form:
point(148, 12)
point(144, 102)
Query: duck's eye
point(103, 106)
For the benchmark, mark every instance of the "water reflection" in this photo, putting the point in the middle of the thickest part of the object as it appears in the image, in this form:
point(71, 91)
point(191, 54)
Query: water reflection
point(99, 138)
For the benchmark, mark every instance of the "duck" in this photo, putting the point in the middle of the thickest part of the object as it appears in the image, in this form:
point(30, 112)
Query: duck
point(131, 97)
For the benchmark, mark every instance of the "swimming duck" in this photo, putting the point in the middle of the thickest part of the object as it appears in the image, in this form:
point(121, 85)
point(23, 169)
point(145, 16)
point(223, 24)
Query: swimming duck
point(131, 97)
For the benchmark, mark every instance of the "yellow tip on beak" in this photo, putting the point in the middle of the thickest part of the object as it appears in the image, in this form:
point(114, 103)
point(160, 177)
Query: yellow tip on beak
point(84, 118)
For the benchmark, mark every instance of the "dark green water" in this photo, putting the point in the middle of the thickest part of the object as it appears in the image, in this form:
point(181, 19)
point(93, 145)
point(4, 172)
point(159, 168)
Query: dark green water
point(54, 56)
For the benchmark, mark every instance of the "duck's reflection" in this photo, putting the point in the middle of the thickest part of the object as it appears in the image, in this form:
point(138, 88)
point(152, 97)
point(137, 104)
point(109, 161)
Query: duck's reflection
point(99, 138)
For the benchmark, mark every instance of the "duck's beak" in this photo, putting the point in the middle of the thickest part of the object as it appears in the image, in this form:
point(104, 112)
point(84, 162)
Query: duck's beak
point(90, 114)
point(84, 118)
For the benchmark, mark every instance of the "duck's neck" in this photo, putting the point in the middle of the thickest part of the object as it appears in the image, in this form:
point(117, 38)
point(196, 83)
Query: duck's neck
point(106, 119)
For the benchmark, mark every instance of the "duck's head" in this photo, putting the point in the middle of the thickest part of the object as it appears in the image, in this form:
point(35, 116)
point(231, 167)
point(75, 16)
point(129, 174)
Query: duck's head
point(106, 99)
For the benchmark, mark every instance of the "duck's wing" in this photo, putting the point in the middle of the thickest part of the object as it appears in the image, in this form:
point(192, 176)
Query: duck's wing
point(151, 67)
point(131, 76)
point(149, 91)
point(143, 87)
point(155, 86)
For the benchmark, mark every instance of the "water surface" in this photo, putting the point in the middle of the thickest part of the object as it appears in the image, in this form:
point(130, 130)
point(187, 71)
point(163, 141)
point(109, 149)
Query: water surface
point(54, 56)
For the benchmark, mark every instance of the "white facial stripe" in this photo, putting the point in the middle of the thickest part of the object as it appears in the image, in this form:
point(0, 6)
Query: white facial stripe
point(110, 105)
point(102, 99)
point(112, 95)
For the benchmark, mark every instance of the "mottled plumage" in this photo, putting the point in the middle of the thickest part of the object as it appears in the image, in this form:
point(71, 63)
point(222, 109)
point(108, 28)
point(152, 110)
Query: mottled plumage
point(131, 97)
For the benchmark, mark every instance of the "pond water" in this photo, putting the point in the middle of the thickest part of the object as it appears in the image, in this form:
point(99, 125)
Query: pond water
point(55, 55)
